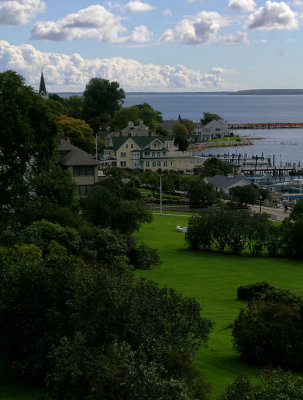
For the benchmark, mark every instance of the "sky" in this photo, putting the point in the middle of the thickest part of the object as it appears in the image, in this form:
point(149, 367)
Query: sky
point(154, 45)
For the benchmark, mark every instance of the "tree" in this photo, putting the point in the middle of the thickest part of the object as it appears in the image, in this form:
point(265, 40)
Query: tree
point(57, 185)
point(208, 117)
point(144, 112)
point(73, 106)
point(247, 194)
point(27, 137)
point(104, 208)
point(101, 97)
point(55, 107)
point(201, 194)
point(297, 211)
point(275, 384)
point(213, 166)
point(77, 131)
point(269, 331)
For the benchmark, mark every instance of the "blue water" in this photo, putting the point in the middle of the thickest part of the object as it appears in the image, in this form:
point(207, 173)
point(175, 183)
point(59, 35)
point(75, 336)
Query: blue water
point(285, 144)
point(233, 108)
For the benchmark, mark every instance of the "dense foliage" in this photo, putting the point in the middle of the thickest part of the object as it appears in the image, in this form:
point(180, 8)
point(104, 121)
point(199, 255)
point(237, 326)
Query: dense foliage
point(143, 112)
point(76, 131)
point(253, 291)
point(27, 138)
point(95, 330)
point(270, 330)
point(275, 384)
point(101, 98)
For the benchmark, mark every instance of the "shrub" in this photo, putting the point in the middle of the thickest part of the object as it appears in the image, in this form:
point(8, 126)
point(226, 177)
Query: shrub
point(270, 330)
point(253, 291)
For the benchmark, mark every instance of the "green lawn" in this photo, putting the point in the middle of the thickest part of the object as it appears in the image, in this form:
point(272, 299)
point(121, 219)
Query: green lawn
point(213, 280)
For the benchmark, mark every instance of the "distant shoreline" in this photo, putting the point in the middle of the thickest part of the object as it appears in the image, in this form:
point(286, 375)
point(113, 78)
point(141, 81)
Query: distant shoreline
point(252, 92)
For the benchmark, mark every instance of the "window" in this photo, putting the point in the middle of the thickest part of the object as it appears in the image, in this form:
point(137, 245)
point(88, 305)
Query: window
point(147, 164)
point(83, 190)
point(159, 163)
point(158, 154)
point(153, 154)
point(131, 146)
point(83, 171)
point(123, 164)
point(147, 153)
point(165, 164)
point(155, 144)
point(154, 164)
point(123, 154)
point(126, 145)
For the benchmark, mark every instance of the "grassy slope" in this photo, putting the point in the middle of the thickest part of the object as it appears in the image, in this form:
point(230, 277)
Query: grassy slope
point(213, 279)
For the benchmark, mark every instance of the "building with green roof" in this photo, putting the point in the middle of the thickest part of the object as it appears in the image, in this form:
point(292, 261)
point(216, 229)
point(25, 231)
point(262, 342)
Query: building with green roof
point(148, 152)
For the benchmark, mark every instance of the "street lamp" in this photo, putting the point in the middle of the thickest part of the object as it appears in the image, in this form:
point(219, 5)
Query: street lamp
point(260, 203)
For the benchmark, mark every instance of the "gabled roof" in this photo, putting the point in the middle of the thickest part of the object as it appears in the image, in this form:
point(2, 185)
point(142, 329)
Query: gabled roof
point(70, 155)
point(225, 182)
point(141, 141)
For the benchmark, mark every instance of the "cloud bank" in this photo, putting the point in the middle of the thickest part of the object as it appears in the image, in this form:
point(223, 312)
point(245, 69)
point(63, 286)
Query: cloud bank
point(72, 72)
point(202, 29)
point(19, 12)
point(93, 22)
point(274, 16)
point(242, 5)
point(137, 7)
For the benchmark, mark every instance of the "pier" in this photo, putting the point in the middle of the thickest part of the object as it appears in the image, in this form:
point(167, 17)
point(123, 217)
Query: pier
point(259, 166)
point(267, 125)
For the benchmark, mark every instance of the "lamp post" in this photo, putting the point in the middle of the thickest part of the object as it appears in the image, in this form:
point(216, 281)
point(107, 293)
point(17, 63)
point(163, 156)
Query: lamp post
point(160, 194)
point(260, 203)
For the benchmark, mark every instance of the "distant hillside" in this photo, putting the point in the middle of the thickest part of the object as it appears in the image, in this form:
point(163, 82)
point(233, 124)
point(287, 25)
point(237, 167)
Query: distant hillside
point(239, 92)
point(270, 91)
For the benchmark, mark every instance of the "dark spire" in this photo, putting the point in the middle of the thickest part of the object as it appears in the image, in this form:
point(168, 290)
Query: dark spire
point(42, 87)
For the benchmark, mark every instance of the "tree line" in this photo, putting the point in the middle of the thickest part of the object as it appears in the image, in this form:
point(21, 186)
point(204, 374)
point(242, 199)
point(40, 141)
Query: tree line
point(234, 231)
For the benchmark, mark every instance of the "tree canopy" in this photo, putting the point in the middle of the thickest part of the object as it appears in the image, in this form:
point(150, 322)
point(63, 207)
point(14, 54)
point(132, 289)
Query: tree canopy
point(77, 131)
point(208, 117)
point(144, 112)
point(27, 135)
point(101, 98)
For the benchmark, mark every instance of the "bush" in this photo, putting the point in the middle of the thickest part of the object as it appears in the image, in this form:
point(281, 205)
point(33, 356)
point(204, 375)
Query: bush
point(274, 385)
point(253, 291)
point(270, 330)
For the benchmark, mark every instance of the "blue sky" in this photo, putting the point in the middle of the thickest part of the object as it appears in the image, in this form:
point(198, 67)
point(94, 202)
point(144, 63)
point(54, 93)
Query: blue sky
point(155, 45)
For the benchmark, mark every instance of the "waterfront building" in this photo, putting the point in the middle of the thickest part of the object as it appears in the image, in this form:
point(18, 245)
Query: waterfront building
point(213, 130)
point(225, 183)
point(148, 152)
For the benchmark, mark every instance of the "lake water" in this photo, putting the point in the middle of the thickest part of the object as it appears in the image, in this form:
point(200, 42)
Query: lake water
point(233, 108)
point(285, 144)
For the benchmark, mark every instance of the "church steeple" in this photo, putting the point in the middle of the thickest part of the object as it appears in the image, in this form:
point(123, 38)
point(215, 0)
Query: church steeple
point(42, 87)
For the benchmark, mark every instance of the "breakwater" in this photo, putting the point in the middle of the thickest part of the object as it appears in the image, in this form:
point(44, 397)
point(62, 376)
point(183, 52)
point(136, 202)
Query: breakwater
point(267, 125)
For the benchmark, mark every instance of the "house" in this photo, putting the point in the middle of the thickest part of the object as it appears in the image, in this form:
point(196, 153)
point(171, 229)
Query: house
point(213, 130)
point(131, 130)
point(148, 152)
point(83, 166)
point(225, 183)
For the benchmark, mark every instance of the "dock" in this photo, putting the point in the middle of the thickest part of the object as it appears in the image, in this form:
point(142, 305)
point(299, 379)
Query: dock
point(267, 125)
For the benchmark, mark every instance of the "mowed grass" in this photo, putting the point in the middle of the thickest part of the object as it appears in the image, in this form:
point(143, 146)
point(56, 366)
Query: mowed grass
point(213, 280)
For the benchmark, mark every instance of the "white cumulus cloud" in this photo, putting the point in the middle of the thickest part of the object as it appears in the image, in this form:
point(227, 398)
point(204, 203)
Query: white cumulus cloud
point(92, 22)
point(201, 29)
point(242, 5)
point(137, 7)
point(19, 12)
point(274, 16)
point(72, 72)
